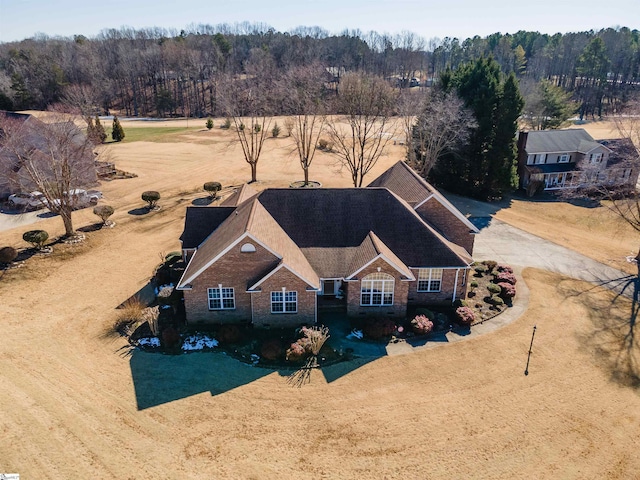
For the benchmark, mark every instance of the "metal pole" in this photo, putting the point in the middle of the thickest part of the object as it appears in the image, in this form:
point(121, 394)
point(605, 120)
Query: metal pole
point(526, 370)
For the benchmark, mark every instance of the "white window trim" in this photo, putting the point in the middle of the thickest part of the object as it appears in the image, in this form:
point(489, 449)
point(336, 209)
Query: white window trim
point(222, 298)
point(430, 279)
point(284, 301)
point(595, 158)
point(564, 158)
point(385, 281)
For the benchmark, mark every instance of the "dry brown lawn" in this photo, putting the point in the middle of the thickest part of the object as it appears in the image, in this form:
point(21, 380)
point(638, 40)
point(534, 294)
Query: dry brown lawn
point(77, 403)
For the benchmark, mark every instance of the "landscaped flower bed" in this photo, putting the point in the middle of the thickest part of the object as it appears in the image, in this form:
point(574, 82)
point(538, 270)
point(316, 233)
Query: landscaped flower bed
point(491, 290)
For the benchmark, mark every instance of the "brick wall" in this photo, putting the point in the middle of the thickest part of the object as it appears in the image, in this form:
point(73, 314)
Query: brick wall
point(436, 214)
point(262, 316)
point(401, 288)
point(235, 269)
point(445, 295)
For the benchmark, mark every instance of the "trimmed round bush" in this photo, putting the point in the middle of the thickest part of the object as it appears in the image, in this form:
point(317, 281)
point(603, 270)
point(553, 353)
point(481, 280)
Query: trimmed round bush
point(421, 325)
point(480, 270)
point(490, 264)
point(505, 277)
point(459, 303)
point(103, 211)
point(473, 284)
point(493, 288)
point(508, 290)
point(496, 300)
point(295, 352)
point(465, 315)
point(212, 188)
point(172, 257)
point(151, 197)
point(8, 254)
point(229, 334)
point(426, 312)
point(377, 328)
point(36, 238)
point(271, 349)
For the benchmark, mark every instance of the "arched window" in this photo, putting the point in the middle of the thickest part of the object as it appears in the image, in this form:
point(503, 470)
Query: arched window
point(377, 289)
point(247, 248)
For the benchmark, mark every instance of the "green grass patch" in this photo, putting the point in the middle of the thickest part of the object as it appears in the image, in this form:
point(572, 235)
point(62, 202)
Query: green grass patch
point(152, 134)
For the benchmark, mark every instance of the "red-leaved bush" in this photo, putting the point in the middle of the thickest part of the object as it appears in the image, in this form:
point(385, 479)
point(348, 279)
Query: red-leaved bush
point(421, 325)
point(504, 268)
point(508, 290)
point(505, 277)
point(465, 315)
point(296, 352)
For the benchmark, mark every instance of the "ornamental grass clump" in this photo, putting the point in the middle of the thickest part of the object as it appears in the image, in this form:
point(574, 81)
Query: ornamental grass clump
point(465, 315)
point(421, 325)
point(309, 345)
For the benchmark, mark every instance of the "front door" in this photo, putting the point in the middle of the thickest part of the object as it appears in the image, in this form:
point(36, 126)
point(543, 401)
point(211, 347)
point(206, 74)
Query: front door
point(328, 287)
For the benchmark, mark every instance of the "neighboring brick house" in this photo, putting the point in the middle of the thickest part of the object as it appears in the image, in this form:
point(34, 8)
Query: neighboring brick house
point(265, 258)
point(561, 159)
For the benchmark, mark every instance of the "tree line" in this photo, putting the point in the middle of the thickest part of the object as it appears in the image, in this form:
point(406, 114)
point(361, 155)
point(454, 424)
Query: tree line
point(158, 72)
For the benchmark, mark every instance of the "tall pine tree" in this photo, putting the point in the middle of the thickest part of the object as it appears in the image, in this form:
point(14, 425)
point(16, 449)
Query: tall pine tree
point(486, 168)
point(99, 129)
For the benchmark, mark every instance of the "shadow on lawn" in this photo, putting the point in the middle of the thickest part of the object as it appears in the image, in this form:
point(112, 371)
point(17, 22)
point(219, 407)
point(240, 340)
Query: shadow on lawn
point(614, 339)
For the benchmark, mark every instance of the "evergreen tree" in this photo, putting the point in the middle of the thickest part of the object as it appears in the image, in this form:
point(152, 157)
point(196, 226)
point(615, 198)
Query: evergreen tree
point(486, 167)
point(101, 135)
point(91, 131)
point(117, 132)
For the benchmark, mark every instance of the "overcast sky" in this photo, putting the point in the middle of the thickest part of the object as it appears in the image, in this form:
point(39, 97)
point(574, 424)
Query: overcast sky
point(21, 19)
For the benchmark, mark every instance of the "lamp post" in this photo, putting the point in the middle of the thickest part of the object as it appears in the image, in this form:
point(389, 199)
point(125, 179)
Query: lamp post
point(526, 370)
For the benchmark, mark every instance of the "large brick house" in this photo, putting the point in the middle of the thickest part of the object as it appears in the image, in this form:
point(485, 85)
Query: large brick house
point(267, 258)
point(562, 159)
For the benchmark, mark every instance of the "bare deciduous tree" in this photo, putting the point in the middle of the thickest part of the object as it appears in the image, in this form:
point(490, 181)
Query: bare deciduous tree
point(365, 126)
point(444, 125)
point(303, 92)
point(54, 158)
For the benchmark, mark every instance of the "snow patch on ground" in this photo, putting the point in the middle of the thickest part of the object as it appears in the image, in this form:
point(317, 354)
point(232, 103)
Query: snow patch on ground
point(198, 342)
point(149, 342)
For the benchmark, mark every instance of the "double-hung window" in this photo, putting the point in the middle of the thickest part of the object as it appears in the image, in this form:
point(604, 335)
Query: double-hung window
point(595, 158)
point(429, 279)
point(377, 289)
point(284, 302)
point(221, 298)
point(564, 158)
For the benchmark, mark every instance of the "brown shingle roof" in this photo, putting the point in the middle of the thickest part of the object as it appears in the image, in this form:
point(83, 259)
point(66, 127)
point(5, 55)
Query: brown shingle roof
point(371, 248)
point(245, 192)
point(405, 183)
point(415, 190)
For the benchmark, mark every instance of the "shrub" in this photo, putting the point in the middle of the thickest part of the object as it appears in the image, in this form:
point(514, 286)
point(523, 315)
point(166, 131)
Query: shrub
point(459, 303)
point(275, 131)
point(151, 197)
point(229, 334)
point(493, 288)
point(36, 238)
point(8, 254)
point(271, 349)
point(480, 270)
point(426, 312)
point(103, 211)
point(117, 132)
point(379, 327)
point(421, 325)
point(325, 145)
point(496, 300)
point(465, 315)
point(473, 285)
point(504, 268)
point(505, 277)
point(490, 264)
point(226, 125)
point(212, 188)
point(172, 257)
point(508, 290)
point(295, 352)
point(209, 123)
point(131, 311)
point(170, 337)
